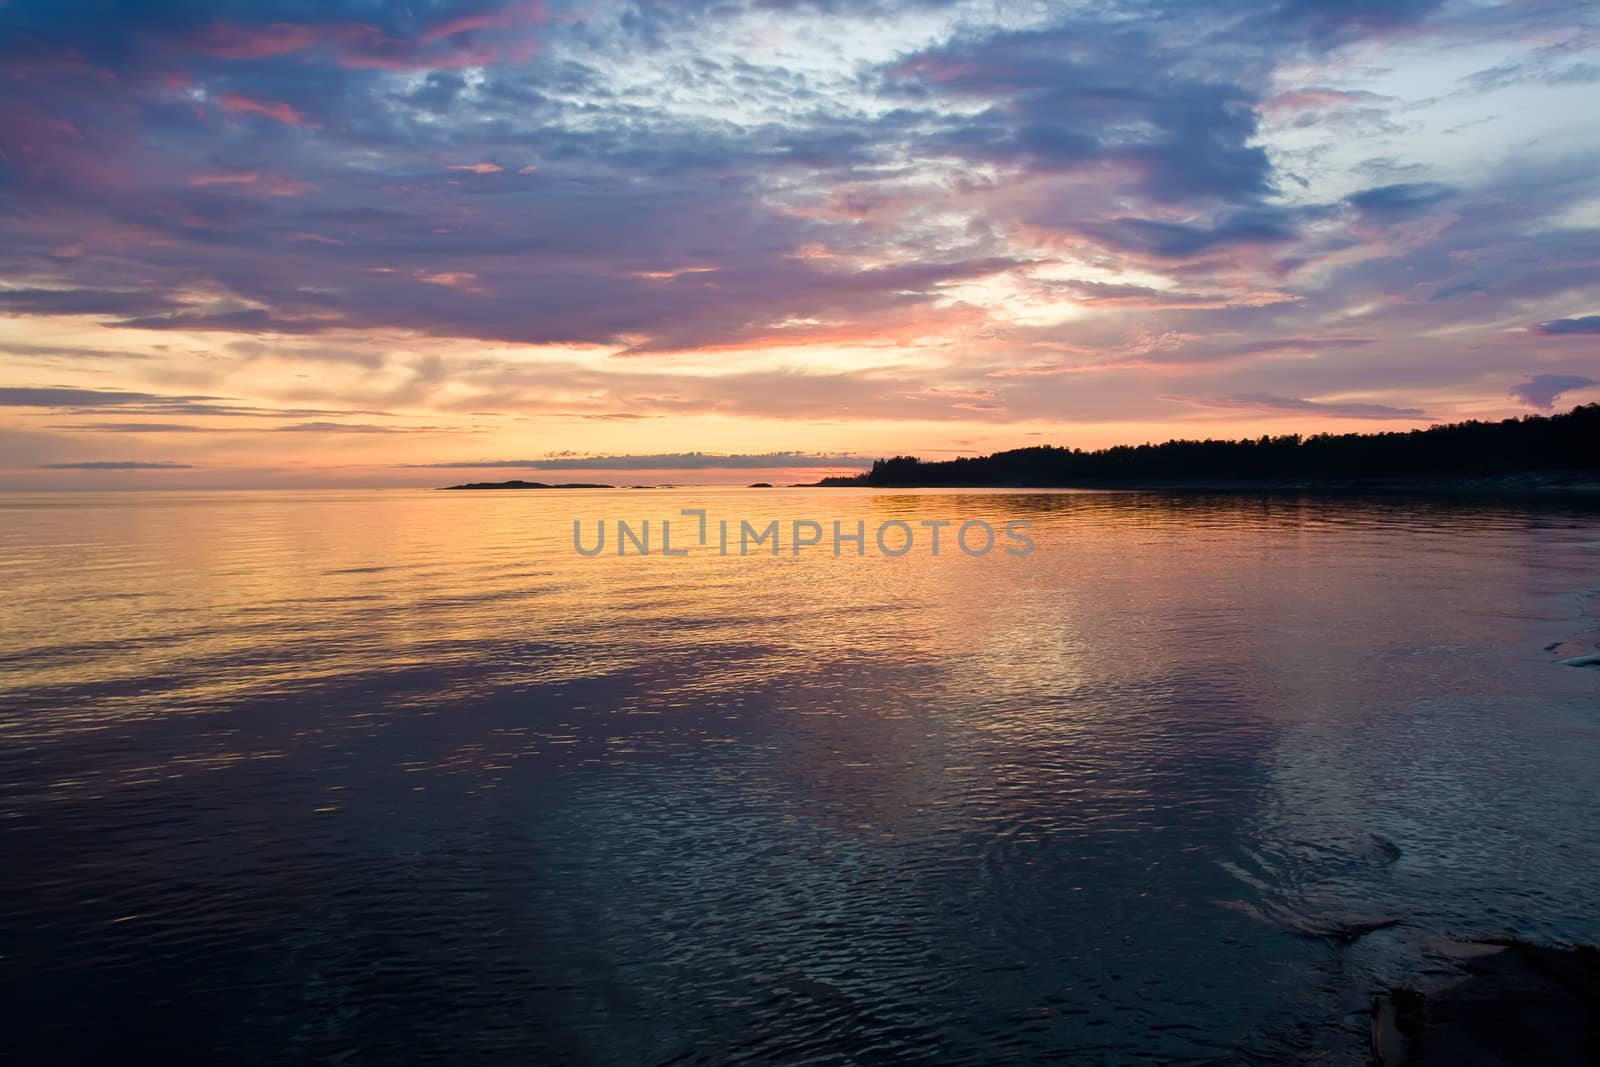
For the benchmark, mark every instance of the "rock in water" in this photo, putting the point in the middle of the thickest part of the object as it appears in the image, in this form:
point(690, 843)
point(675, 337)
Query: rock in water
point(1513, 1003)
point(1381, 850)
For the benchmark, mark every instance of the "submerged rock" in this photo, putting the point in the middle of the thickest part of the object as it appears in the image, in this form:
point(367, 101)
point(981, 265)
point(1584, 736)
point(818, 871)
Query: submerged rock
point(1580, 650)
point(1509, 1002)
point(1348, 931)
point(1380, 850)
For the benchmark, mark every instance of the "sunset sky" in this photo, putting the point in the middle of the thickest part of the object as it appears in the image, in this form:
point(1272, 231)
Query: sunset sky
point(348, 243)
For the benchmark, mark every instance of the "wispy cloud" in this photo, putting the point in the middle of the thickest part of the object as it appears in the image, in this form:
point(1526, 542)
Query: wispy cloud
point(77, 400)
point(115, 465)
point(1336, 409)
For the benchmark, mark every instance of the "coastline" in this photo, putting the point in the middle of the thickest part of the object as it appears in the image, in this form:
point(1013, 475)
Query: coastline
point(1541, 484)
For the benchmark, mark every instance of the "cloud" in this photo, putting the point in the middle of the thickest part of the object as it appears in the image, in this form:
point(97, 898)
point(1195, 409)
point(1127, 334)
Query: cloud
point(239, 41)
point(78, 401)
point(1567, 327)
point(1543, 390)
point(1400, 201)
point(1276, 404)
point(359, 427)
point(1080, 95)
point(1569, 61)
point(67, 396)
point(51, 353)
point(133, 427)
point(277, 110)
point(1075, 205)
point(1322, 99)
point(1333, 21)
point(302, 427)
point(1181, 240)
point(116, 465)
point(83, 301)
point(661, 461)
point(1299, 345)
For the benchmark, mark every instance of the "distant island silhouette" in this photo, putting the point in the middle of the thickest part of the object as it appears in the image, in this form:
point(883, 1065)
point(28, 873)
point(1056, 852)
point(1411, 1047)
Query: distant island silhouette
point(1536, 452)
point(528, 485)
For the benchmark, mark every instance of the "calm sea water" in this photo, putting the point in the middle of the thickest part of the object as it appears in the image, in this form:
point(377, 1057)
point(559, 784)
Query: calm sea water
point(398, 776)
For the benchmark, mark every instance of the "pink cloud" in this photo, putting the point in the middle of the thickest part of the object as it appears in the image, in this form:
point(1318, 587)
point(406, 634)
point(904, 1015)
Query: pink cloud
point(1320, 100)
point(362, 47)
point(235, 104)
point(937, 69)
point(227, 40)
point(500, 19)
point(224, 178)
point(270, 184)
point(462, 280)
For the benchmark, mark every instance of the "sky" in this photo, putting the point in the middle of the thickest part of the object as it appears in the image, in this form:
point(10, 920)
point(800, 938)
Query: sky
point(348, 243)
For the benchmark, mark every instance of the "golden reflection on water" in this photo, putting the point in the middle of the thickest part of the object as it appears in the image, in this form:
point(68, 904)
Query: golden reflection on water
point(211, 596)
point(847, 803)
point(137, 607)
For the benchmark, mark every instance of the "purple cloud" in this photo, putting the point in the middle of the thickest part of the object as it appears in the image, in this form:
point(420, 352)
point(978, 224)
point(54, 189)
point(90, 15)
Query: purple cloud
point(1084, 210)
point(1400, 201)
point(1543, 390)
point(1268, 403)
point(1567, 327)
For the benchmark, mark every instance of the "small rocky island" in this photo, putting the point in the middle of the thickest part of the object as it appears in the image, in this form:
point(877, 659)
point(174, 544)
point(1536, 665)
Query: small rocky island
point(528, 485)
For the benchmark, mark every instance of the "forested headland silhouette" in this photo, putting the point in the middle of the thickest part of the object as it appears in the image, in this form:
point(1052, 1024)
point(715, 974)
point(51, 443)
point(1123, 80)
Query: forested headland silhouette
point(1536, 451)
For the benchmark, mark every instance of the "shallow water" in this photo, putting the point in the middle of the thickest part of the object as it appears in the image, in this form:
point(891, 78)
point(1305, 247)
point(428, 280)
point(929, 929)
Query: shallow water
point(399, 776)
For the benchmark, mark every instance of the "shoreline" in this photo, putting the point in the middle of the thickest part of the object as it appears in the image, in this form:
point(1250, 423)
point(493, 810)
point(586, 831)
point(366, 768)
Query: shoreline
point(1510, 485)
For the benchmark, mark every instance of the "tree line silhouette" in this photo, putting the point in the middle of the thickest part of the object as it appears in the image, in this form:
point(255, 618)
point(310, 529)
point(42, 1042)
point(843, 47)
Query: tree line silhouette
point(1567, 445)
